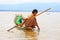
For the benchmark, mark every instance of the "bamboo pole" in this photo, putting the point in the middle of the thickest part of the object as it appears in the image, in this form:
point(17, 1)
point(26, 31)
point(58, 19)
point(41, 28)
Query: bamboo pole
point(34, 16)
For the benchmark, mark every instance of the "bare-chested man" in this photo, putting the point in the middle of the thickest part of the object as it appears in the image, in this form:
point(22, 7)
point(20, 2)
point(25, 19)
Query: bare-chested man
point(31, 22)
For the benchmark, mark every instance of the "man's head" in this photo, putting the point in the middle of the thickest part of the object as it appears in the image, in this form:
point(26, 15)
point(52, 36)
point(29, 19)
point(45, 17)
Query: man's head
point(34, 12)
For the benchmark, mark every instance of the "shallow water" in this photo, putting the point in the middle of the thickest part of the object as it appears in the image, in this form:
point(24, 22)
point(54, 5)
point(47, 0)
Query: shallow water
point(49, 27)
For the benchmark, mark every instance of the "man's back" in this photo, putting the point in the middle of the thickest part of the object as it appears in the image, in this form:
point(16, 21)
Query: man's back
point(30, 22)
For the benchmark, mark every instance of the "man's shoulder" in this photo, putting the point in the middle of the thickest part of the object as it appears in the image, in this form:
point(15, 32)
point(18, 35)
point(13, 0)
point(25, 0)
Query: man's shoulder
point(30, 15)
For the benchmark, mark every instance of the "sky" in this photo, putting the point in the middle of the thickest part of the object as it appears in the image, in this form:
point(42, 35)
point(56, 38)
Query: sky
point(27, 1)
point(29, 5)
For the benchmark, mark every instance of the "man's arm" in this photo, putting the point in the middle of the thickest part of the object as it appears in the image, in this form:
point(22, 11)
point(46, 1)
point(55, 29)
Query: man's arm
point(37, 26)
point(22, 23)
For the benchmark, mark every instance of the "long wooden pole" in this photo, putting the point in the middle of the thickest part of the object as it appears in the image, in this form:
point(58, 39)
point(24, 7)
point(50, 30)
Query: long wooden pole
point(35, 16)
point(11, 28)
point(43, 11)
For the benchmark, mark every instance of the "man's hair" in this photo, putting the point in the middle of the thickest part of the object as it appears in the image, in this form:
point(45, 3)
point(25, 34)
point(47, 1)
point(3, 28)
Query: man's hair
point(35, 10)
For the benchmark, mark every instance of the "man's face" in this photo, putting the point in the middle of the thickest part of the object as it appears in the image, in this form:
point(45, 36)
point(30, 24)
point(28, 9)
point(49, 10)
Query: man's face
point(35, 13)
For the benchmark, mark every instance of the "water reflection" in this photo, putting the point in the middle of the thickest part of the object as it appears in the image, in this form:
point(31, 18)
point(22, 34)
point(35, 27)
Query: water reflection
point(30, 34)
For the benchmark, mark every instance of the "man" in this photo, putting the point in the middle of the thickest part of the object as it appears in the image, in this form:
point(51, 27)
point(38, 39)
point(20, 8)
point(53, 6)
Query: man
point(31, 22)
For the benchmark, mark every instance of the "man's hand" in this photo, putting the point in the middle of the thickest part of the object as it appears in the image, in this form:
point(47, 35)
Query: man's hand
point(20, 25)
point(38, 28)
